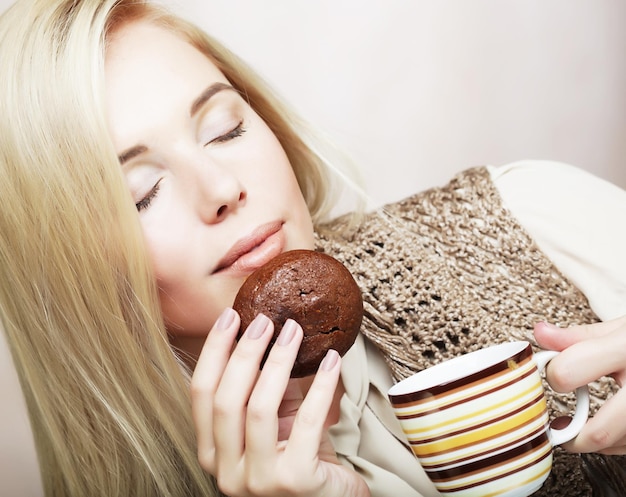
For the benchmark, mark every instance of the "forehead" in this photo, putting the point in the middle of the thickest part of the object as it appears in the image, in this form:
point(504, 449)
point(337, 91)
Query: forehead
point(150, 70)
point(145, 49)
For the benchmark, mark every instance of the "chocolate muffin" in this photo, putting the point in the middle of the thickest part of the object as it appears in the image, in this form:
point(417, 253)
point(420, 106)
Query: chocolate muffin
point(313, 289)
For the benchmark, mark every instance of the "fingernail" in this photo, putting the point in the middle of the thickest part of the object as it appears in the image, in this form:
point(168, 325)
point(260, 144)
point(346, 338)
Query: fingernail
point(226, 319)
point(257, 327)
point(550, 326)
point(330, 360)
point(287, 333)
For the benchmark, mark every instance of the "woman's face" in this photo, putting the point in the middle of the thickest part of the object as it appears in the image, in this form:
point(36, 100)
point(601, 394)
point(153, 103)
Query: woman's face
point(215, 192)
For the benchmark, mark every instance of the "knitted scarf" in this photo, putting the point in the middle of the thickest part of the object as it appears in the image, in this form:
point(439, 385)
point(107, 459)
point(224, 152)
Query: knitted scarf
point(450, 270)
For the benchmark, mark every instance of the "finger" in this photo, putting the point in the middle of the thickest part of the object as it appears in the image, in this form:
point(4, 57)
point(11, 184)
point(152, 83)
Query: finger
point(262, 422)
point(619, 450)
point(552, 337)
point(304, 442)
point(205, 379)
point(586, 361)
point(233, 392)
point(606, 430)
point(292, 400)
point(562, 422)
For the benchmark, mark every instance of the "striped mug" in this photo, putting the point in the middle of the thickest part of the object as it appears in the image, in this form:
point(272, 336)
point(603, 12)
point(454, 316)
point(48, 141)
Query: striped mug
point(479, 423)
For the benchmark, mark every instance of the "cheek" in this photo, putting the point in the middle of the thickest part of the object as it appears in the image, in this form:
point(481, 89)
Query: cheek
point(170, 256)
point(178, 275)
point(276, 184)
point(163, 256)
point(190, 299)
point(272, 171)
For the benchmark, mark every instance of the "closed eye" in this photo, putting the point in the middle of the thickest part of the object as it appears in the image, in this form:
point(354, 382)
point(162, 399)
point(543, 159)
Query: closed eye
point(234, 133)
point(145, 202)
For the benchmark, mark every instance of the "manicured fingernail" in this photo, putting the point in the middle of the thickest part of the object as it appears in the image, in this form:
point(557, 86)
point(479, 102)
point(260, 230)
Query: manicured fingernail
point(550, 326)
point(226, 319)
point(330, 360)
point(287, 333)
point(257, 327)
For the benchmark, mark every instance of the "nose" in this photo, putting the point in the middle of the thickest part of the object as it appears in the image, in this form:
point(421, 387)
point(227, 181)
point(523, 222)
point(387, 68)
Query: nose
point(219, 194)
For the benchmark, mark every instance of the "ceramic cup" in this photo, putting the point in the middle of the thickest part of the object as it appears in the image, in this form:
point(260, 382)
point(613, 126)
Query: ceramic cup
point(479, 423)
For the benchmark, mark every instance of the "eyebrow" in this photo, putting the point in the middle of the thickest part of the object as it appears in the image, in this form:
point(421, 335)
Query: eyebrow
point(206, 95)
point(131, 153)
point(197, 104)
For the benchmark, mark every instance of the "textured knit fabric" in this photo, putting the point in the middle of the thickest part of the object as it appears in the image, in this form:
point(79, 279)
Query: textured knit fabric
point(449, 271)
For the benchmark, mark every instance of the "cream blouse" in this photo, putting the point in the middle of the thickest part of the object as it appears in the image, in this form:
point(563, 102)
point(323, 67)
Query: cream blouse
point(578, 220)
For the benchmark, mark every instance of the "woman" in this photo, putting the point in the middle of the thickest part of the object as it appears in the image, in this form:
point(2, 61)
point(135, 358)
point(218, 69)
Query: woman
point(105, 98)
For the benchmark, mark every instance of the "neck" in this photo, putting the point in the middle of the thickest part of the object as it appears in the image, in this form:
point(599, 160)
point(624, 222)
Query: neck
point(188, 348)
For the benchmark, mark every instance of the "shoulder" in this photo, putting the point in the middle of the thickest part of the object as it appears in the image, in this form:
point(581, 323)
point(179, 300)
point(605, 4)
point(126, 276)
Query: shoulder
point(547, 180)
point(577, 219)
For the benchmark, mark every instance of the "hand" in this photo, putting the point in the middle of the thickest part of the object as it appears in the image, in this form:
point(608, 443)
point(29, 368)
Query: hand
point(256, 433)
point(588, 353)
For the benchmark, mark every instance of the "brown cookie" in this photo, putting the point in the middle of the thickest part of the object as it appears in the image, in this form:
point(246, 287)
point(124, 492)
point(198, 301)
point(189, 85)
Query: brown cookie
point(313, 289)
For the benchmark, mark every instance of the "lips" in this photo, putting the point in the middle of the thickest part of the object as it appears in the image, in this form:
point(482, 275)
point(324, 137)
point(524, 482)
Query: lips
point(254, 250)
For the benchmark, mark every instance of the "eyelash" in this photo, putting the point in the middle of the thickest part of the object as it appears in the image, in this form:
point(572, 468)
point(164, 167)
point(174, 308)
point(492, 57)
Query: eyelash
point(144, 203)
point(234, 133)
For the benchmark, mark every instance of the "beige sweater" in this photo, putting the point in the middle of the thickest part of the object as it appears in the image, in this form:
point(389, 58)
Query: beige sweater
point(444, 272)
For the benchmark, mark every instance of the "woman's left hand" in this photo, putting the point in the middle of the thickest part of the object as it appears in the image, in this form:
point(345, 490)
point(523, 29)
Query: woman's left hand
point(588, 353)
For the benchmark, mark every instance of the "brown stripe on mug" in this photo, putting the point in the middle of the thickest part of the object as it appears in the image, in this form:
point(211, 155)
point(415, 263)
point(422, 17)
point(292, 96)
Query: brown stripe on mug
point(463, 382)
point(479, 426)
point(491, 462)
point(547, 453)
point(533, 434)
point(466, 399)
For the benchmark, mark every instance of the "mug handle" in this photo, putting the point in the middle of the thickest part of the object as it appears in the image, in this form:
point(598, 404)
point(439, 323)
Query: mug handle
point(558, 437)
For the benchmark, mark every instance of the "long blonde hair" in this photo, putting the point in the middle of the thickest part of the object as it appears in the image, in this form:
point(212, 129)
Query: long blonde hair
point(108, 399)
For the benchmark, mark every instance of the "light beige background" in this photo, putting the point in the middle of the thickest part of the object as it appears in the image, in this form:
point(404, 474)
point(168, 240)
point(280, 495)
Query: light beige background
point(416, 90)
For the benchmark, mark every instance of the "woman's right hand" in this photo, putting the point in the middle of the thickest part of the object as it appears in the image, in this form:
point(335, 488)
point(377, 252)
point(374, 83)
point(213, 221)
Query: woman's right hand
point(257, 435)
point(589, 352)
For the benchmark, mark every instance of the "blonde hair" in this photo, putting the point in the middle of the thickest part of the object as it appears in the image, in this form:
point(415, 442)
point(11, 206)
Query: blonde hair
point(107, 397)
